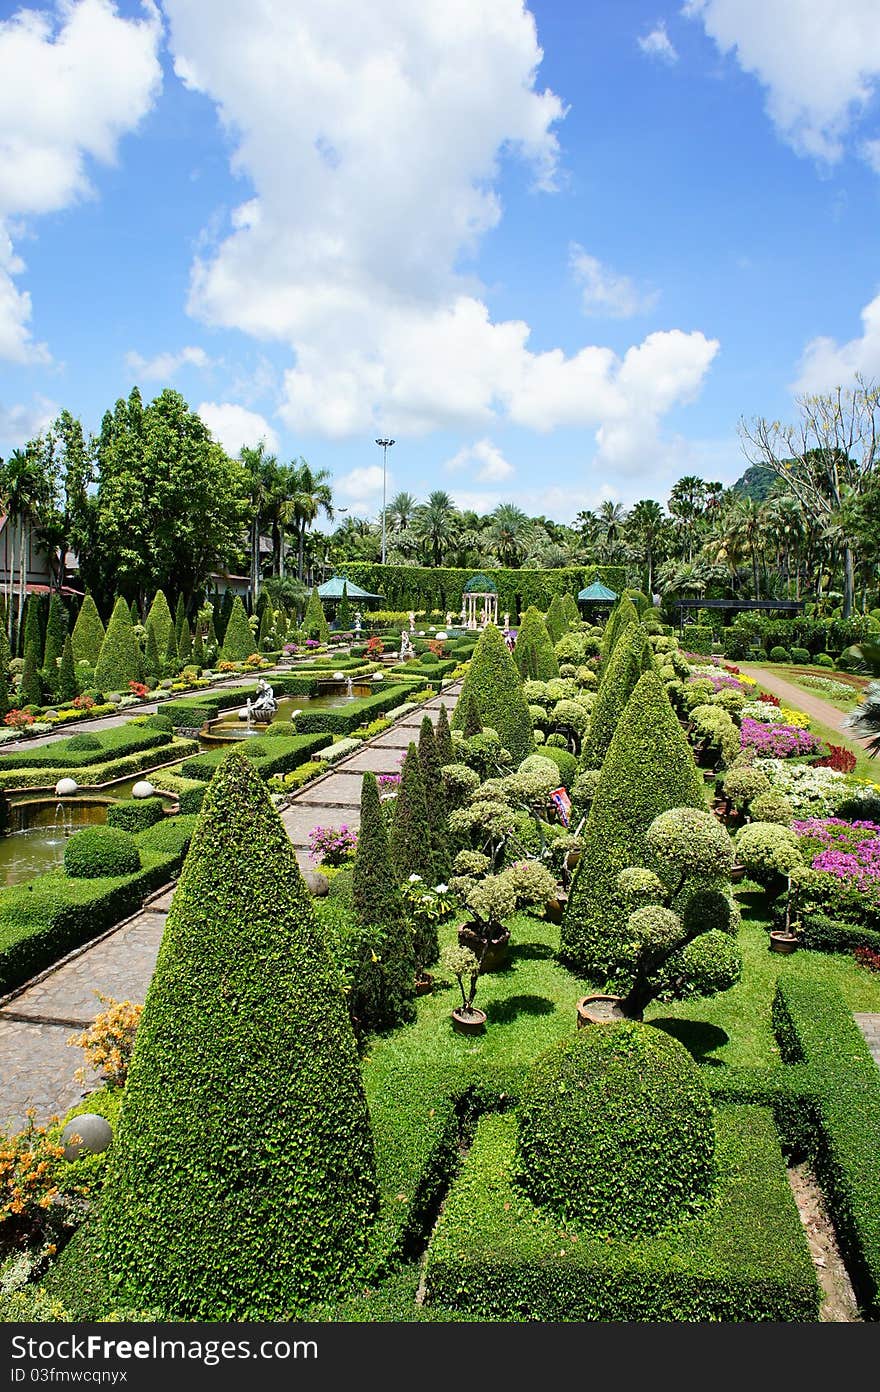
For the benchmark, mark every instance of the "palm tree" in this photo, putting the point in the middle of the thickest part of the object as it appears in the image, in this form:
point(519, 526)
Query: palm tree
point(746, 522)
point(436, 523)
point(310, 494)
point(646, 523)
point(610, 525)
point(399, 512)
point(25, 494)
point(508, 528)
point(262, 472)
point(687, 499)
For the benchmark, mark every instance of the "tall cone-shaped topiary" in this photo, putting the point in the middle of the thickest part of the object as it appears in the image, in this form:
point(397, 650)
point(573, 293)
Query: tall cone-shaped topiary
point(241, 1181)
point(119, 659)
point(533, 653)
point(133, 611)
point(198, 647)
point(648, 769)
point(438, 820)
point(622, 615)
point(632, 653)
point(152, 661)
point(224, 614)
point(386, 976)
point(185, 642)
point(556, 619)
point(239, 640)
point(410, 829)
point(315, 623)
point(179, 616)
point(443, 737)
point(67, 684)
point(161, 619)
point(266, 629)
point(492, 678)
point(31, 689)
point(54, 640)
point(570, 605)
point(5, 702)
point(343, 610)
point(88, 632)
point(466, 715)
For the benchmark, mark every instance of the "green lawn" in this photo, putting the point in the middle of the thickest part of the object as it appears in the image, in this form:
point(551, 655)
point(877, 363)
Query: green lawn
point(796, 676)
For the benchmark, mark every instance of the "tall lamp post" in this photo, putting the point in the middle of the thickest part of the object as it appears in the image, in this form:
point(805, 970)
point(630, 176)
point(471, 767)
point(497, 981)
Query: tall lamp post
point(385, 445)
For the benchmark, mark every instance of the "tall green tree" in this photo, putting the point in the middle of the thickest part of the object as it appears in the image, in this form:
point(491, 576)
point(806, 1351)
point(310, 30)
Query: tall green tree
point(88, 632)
point(310, 494)
point(119, 660)
point(410, 830)
point(378, 903)
point(67, 687)
point(54, 640)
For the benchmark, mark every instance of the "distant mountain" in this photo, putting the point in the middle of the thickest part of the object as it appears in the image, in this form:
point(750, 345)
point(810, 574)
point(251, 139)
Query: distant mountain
point(756, 483)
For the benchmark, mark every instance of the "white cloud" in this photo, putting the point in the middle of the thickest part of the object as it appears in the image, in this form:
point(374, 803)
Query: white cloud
point(657, 44)
point(20, 423)
point(363, 484)
point(70, 87)
point(603, 291)
point(393, 119)
point(819, 61)
point(164, 366)
point(233, 426)
point(826, 364)
point(485, 460)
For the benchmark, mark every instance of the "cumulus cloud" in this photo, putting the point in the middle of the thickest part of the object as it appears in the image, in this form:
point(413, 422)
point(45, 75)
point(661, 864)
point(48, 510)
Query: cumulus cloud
point(21, 422)
point(657, 44)
point(71, 85)
point(164, 366)
point(826, 364)
point(819, 61)
point(393, 120)
point(603, 291)
point(234, 426)
point(364, 485)
point(484, 461)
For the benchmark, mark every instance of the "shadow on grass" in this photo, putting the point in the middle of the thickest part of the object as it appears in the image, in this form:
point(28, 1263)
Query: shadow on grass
point(530, 952)
point(699, 1038)
point(504, 1012)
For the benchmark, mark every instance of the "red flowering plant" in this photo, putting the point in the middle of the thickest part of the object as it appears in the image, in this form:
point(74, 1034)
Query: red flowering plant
point(375, 646)
point(18, 719)
point(843, 760)
point(137, 688)
point(83, 702)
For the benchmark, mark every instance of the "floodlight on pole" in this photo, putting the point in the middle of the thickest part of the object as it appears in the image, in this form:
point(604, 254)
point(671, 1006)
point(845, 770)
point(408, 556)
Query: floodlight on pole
point(385, 446)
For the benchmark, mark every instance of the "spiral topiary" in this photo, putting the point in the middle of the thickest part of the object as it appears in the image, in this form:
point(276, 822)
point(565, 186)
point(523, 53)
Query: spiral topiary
point(616, 1131)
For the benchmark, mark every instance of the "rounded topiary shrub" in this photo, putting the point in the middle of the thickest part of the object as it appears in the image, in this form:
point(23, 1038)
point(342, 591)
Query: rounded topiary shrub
point(824, 660)
point(779, 654)
point(159, 722)
point(101, 851)
point(616, 1130)
point(801, 656)
point(83, 744)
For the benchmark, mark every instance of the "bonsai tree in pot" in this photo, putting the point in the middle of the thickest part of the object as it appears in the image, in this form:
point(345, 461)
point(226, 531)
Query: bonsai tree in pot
point(490, 901)
point(770, 853)
point(461, 963)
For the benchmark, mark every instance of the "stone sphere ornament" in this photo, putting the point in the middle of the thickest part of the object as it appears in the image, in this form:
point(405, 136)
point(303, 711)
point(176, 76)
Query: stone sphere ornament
point(88, 1134)
point(66, 787)
point(143, 789)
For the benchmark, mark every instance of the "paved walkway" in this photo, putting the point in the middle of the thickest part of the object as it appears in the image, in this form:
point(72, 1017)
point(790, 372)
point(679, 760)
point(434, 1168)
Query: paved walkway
point(870, 1027)
point(813, 706)
point(37, 1065)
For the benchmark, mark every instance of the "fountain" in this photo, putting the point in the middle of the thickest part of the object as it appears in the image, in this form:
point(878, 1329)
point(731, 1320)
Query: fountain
point(63, 820)
point(349, 689)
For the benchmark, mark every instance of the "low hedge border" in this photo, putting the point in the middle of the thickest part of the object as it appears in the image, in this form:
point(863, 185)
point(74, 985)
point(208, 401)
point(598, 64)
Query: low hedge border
point(190, 791)
point(496, 1256)
point(49, 916)
point(273, 754)
point(112, 744)
point(343, 719)
point(824, 934)
point(135, 814)
point(14, 779)
point(190, 711)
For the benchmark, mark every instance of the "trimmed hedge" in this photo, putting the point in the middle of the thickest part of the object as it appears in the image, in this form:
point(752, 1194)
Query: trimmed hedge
point(697, 638)
point(99, 852)
point(632, 655)
point(270, 753)
point(241, 1183)
point(441, 587)
point(648, 769)
point(135, 814)
point(92, 774)
point(187, 711)
point(825, 934)
point(494, 1255)
point(493, 683)
point(119, 661)
point(533, 652)
point(81, 750)
point(341, 720)
point(190, 791)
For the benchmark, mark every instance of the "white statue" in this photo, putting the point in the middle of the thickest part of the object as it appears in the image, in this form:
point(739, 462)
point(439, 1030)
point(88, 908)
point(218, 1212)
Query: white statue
point(265, 706)
point(412, 620)
point(406, 647)
point(506, 620)
point(448, 618)
point(357, 620)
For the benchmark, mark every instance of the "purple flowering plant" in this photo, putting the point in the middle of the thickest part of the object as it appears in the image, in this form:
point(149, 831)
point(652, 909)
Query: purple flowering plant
point(332, 845)
point(850, 851)
point(777, 741)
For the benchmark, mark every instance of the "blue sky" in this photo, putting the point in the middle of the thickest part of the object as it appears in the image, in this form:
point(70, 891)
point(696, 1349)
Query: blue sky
point(555, 252)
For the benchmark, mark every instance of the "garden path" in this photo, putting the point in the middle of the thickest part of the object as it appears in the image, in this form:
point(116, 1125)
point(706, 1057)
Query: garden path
point(37, 1067)
point(794, 696)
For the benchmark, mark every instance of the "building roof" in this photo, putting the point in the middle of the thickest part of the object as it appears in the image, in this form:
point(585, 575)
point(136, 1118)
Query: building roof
point(332, 589)
point(480, 584)
point(597, 593)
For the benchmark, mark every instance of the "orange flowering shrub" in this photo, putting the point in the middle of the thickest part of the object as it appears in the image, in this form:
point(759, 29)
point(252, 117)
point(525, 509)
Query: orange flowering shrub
point(109, 1040)
point(28, 1183)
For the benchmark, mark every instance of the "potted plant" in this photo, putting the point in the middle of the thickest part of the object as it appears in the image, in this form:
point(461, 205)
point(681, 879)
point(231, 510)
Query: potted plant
point(460, 962)
point(490, 900)
point(427, 908)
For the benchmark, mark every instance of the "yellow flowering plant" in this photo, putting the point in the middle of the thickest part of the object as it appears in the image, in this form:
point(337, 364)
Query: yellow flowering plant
point(109, 1040)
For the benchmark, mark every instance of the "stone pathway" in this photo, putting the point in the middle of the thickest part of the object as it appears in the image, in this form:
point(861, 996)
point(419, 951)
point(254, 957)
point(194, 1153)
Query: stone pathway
point(37, 1066)
point(870, 1027)
point(812, 706)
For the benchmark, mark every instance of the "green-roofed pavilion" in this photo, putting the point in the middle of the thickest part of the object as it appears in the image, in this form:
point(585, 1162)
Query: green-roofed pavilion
point(596, 593)
point(332, 589)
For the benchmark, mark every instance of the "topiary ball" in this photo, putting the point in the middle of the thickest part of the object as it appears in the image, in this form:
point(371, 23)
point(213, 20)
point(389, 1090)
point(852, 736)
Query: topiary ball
point(616, 1130)
point(84, 743)
point(101, 850)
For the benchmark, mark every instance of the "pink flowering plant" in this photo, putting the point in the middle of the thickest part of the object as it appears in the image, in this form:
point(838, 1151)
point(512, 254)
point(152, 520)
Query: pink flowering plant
point(332, 845)
point(777, 741)
point(389, 784)
point(850, 851)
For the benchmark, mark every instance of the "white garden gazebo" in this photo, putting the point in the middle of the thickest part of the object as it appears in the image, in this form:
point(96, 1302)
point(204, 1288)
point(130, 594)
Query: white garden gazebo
point(479, 602)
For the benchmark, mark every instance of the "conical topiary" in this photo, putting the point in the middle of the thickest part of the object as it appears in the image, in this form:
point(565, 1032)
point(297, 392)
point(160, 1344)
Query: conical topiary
point(184, 641)
point(211, 642)
point(54, 641)
point(161, 619)
point(67, 683)
point(88, 633)
point(5, 703)
point(198, 647)
point(224, 614)
point(387, 968)
point(443, 737)
point(622, 615)
point(570, 605)
point(239, 640)
point(152, 660)
point(315, 620)
point(466, 715)
point(492, 678)
point(119, 660)
point(343, 610)
point(179, 616)
point(533, 653)
point(556, 619)
point(32, 630)
point(438, 821)
point(648, 769)
point(171, 660)
point(619, 677)
point(410, 829)
point(241, 1180)
point(267, 624)
point(135, 616)
point(31, 689)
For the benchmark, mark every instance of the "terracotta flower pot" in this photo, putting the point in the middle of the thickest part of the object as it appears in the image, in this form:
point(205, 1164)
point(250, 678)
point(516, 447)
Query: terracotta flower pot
point(425, 985)
point(495, 954)
point(555, 907)
point(783, 942)
point(469, 1021)
point(737, 874)
point(599, 1010)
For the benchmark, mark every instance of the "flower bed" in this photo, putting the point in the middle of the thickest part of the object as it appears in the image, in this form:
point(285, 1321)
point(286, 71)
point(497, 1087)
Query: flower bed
point(850, 851)
point(777, 741)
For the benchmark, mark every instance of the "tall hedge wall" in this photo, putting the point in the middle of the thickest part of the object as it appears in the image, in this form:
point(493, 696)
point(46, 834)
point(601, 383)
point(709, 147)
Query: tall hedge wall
point(428, 587)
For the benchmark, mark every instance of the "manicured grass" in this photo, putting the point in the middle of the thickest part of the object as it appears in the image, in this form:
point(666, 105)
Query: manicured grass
point(796, 676)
